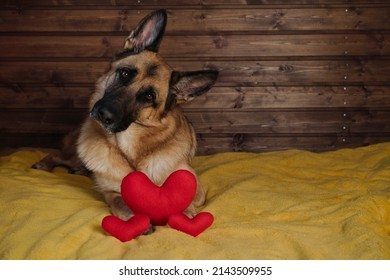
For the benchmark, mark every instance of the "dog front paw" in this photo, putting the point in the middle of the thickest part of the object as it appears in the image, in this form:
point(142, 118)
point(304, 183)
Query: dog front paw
point(41, 166)
point(150, 230)
point(190, 212)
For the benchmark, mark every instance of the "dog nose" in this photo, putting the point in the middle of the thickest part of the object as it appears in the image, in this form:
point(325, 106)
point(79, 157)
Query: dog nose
point(106, 116)
point(111, 116)
point(103, 114)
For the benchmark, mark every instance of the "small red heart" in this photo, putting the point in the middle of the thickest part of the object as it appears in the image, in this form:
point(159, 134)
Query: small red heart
point(194, 226)
point(142, 196)
point(126, 230)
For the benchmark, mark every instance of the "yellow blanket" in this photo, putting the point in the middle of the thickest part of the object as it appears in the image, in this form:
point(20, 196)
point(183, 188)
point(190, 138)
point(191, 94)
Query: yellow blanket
point(279, 205)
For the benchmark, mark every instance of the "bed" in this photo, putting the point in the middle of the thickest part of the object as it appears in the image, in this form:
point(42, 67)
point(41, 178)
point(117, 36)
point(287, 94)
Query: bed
point(277, 205)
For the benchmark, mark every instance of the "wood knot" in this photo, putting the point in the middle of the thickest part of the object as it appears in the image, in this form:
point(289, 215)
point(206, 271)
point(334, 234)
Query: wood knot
point(106, 42)
point(277, 19)
point(286, 68)
point(220, 42)
point(238, 141)
point(201, 17)
point(122, 19)
point(239, 99)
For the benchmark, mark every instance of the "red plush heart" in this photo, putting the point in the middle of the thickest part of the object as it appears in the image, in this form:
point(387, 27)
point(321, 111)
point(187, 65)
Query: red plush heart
point(126, 230)
point(142, 196)
point(194, 226)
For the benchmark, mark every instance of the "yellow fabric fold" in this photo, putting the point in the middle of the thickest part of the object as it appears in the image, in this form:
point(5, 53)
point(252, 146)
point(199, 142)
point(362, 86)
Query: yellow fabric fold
point(278, 205)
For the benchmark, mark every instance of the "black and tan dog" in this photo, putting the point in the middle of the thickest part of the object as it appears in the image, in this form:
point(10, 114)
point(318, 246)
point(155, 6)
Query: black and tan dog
point(136, 122)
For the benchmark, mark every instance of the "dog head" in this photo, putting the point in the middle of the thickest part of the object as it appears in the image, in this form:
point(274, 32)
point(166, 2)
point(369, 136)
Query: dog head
point(140, 87)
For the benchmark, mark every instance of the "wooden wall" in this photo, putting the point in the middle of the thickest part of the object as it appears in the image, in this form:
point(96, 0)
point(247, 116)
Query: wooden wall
point(307, 74)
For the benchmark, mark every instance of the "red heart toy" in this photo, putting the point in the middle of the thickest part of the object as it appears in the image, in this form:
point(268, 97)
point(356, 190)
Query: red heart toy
point(157, 205)
point(194, 226)
point(126, 230)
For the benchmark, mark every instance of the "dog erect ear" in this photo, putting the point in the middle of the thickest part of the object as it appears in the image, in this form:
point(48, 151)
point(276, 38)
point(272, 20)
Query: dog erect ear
point(185, 86)
point(148, 34)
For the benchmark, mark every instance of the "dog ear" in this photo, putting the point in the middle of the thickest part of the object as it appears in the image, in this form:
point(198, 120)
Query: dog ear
point(185, 86)
point(148, 34)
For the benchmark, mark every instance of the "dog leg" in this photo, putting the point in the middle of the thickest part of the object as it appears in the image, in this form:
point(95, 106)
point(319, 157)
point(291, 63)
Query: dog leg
point(191, 211)
point(117, 205)
point(200, 195)
point(66, 157)
point(49, 162)
point(55, 159)
point(79, 169)
point(199, 200)
point(120, 209)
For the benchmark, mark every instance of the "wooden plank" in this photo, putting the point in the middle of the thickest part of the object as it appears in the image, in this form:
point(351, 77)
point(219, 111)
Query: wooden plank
point(41, 121)
point(55, 73)
point(367, 121)
point(221, 121)
point(211, 144)
point(135, 3)
point(225, 143)
point(232, 73)
point(290, 122)
point(199, 20)
point(45, 97)
point(294, 72)
point(37, 140)
point(292, 97)
point(227, 46)
point(298, 98)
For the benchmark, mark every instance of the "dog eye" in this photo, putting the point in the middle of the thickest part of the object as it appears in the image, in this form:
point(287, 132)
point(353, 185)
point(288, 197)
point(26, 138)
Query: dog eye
point(126, 74)
point(149, 96)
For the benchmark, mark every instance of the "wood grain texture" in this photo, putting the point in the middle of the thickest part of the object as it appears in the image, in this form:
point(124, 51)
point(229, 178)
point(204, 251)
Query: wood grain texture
point(59, 3)
point(305, 74)
point(197, 20)
point(210, 144)
point(218, 121)
point(226, 46)
point(218, 98)
point(362, 71)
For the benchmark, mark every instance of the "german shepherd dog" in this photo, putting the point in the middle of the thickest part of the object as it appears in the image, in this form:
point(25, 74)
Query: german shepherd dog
point(136, 122)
